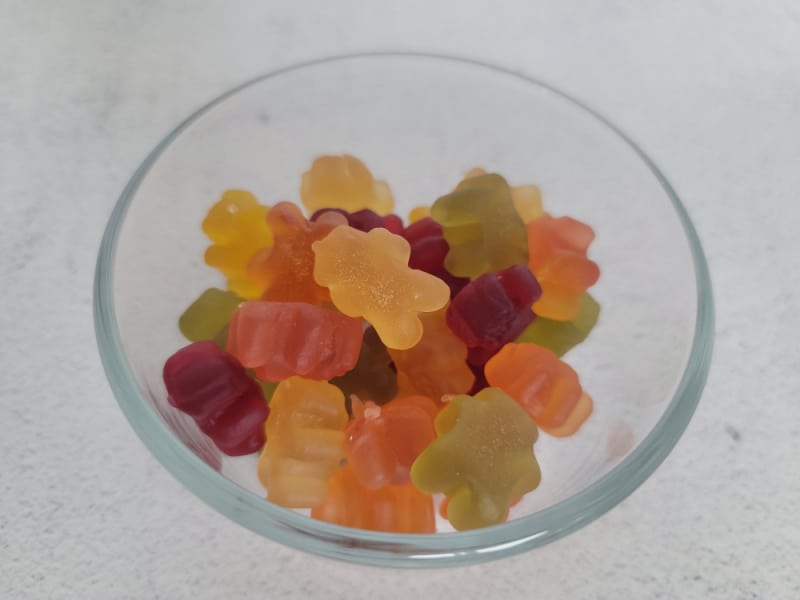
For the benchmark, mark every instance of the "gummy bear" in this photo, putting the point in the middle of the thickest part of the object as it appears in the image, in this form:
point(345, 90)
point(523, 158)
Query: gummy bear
point(527, 199)
point(212, 387)
point(394, 508)
point(281, 339)
point(365, 220)
point(557, 250)
point(561, 336)
point(373, 377)
point(482, 458)
point(582, 411)
point(545, 386)
point(237, 227)
point(436, 365)
point(418, 213)
point(482, 227)
point(429, 250)
point(284, 271)
point(344, 182)
point(383, 441)
point(305, 433)
point(368, 276)
point(493, 310)
point(207, 316)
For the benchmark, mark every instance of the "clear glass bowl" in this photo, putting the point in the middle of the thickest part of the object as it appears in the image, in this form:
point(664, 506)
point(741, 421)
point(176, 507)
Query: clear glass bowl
point(418, 122)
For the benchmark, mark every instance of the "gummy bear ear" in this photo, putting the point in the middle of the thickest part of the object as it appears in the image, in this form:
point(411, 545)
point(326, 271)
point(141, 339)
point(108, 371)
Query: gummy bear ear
point(331, 218)
point(285, 216)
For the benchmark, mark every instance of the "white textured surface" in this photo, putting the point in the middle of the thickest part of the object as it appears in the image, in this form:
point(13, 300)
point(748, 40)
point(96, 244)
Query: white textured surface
point(710, 89)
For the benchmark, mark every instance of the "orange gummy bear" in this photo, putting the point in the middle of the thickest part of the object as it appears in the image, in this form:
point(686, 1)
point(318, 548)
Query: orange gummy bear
point(281, 339)
point(304, 446)
point(394, 508)
point(285, 271)
point(237, 227)
point(557, 257)
point(368, 276)
point(344, 182)
point(437, 365)
point(546, 387)
point(383, 441)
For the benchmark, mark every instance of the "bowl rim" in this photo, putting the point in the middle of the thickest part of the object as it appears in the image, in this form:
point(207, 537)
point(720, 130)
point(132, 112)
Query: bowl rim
point(378, 548)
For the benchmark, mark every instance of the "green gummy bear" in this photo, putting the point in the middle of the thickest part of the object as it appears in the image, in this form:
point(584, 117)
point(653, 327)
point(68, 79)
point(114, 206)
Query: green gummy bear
point(561, 336)
point(267, 387)
point(483, 229)
point(373, 377)
point(208, 315)
point(482, 458)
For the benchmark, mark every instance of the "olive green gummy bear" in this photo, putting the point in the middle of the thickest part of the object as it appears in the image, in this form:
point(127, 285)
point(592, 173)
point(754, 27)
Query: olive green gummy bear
point(207, 316)
point(482, 458)
point(561, 336)
point(482, 227)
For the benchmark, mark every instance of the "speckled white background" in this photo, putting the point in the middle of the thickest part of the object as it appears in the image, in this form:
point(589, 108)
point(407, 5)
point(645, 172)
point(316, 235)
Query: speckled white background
point(711, 90)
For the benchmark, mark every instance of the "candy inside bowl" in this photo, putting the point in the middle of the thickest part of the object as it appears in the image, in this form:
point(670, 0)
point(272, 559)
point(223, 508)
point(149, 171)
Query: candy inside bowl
point(642, 365)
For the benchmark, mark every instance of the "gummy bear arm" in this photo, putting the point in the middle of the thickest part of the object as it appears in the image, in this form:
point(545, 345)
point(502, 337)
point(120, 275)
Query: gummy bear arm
point(435, 470)
point(384, 201)
point(400, 332)
point(430, 293)
point(466, 510)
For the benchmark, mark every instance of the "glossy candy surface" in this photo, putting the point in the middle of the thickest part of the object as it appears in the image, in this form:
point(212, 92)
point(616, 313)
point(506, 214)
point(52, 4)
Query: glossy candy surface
point(368, 276)
point(481, 226)
point(481, 460)
point(493, 310)
point(365, 219)
point(281, 339)
point(373, 377)
point(437, 364)
point(381, 442)
point(237, 227)
point(344, 182)
point(213, 388)
point(429, 250)
point(207, 316)
point(285, 271)
point(561, 336)
point(305, 433)
point(545, 386)
point(393, 508)
point(557, 249)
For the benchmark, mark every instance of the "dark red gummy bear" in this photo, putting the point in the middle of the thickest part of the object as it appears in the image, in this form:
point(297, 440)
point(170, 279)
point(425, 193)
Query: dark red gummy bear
point(366, 219)
point(480, 379)
point(492, 310)
point(213, 388)
point(428, 250)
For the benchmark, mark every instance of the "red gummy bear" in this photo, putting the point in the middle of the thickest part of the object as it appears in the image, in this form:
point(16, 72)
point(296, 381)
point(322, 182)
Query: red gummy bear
point(282, 339)
point(428, 251)
point(492, 310)
point(365, 220)
point(213, 388)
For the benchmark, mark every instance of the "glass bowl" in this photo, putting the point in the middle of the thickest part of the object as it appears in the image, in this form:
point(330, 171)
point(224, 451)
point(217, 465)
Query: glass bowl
point(419, 122)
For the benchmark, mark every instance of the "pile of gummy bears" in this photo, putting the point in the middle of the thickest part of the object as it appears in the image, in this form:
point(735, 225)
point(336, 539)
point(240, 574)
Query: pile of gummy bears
point(374, 365)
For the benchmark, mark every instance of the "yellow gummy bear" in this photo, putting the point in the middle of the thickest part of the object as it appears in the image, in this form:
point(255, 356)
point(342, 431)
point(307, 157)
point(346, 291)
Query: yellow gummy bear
point(527, 199)
point(418, 212)
point(482, 458)
point(305, 437)
point(344, 182)
point(368, 276)
point(237, 227)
